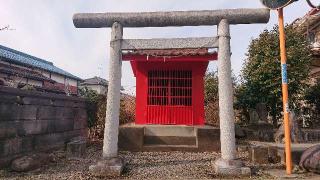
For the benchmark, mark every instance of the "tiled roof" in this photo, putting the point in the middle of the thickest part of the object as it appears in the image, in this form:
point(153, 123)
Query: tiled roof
point(172, 52)
point(20, 72)
point(17, 57)
point(95, 81)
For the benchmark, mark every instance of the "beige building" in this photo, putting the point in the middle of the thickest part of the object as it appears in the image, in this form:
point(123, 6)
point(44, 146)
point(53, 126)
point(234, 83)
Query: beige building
point(97, 84)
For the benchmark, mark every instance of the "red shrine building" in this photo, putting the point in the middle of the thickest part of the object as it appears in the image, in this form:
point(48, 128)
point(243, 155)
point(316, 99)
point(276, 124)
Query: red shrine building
point(170, 85)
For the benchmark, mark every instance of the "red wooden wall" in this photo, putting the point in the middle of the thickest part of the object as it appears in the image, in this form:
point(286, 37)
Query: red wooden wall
point(169, 92)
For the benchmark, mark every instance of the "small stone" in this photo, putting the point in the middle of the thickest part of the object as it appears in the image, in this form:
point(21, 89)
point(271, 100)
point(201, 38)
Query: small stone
point(239, 132)
point(310, 159)
point(274, 157)
point(107, 168)
point(76, 148)
point(29, 162)
point(259, 154)
point(242, 148)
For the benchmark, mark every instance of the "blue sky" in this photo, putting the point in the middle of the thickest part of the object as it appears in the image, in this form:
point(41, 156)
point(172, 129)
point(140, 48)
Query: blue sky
point(44, 28)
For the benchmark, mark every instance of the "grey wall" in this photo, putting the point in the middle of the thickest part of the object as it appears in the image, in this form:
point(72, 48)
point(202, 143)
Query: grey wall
point(35, 121)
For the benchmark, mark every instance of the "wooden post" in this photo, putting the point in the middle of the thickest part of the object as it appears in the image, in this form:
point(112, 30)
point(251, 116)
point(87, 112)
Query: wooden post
point(285, 92)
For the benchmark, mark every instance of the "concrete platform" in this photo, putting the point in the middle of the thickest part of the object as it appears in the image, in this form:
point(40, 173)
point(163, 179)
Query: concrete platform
point(168, 138)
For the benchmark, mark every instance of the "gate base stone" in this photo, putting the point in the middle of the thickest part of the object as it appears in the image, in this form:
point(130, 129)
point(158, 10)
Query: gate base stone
point(231, 168)
point(112, 167)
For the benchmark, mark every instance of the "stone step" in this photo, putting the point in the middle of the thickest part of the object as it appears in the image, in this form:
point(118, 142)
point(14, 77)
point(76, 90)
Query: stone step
point(167, 148)
point(170, 140)
point(168, 130)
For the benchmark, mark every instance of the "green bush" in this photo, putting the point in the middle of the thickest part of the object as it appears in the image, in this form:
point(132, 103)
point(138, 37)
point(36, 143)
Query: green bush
point(211, 99)
point(261, 74)
point(96, 110)
point(313, 103)
point(92, 98)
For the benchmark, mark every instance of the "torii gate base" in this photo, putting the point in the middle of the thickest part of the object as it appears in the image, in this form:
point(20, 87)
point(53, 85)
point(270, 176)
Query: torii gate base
point(228, 164)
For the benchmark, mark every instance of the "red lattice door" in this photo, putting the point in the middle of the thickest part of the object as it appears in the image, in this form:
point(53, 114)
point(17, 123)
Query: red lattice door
point(169, 97)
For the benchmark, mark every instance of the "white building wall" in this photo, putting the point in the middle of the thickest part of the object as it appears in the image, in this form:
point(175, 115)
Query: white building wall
point(72, 82)
point(58, 78)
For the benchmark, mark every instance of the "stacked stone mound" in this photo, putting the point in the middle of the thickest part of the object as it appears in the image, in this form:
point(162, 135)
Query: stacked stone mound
point(310, 159)
point(30, 162)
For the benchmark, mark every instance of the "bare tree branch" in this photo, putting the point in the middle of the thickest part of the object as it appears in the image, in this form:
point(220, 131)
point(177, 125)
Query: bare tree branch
point(6, 28)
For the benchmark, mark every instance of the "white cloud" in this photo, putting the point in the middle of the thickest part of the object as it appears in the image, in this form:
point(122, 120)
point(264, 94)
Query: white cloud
point(44, 28)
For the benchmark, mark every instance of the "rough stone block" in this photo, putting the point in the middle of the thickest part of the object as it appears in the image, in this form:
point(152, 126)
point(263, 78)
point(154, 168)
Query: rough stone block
point(44, 101)
point(13, 146)
point(49, 141)
point(6, 161)
point(79, 104)
point(36, 127)
point(8, 129)
point(63, 103)
point(107, 168)
point(28, 112)
point(80, 118)
point(264, 154)
point(46, 113)
point(68, 113)
point(10, 147)
point(27, 144)
point(61, 125)
point(80, 113)
point(9, 112)
point(131, 138)
point(273, 155)
point(208, 139)
point(8, 98)
point(76, 148)
point(80, 124)
point(75, 133)
point(259, 154)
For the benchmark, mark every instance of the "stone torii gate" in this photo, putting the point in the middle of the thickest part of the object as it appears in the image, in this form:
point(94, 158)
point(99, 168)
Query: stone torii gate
point(228, 163)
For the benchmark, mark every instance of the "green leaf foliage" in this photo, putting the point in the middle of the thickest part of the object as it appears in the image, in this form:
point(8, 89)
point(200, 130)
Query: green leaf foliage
point(261, 73)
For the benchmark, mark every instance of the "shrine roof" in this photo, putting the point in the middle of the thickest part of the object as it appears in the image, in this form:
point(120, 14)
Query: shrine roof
point(172, 52)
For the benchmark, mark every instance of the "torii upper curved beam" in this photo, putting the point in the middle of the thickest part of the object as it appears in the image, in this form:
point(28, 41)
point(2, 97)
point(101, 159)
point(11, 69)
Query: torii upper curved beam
point(173, 18)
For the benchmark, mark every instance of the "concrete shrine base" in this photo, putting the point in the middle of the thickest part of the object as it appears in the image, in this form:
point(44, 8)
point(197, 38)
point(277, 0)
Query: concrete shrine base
point(134, 137)
point(107, 168)
point(231, 168)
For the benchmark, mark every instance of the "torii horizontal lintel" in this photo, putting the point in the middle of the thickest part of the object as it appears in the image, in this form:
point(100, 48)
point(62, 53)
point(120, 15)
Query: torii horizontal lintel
point(170, 43)
point(172, 18)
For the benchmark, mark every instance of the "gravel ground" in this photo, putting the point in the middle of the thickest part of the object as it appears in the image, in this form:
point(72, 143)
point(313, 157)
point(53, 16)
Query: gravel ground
point(140, 165)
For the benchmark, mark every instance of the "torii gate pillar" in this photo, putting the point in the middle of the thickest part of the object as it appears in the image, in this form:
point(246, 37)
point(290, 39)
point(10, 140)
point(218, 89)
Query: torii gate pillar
point(111, 165)
point(227, 164)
